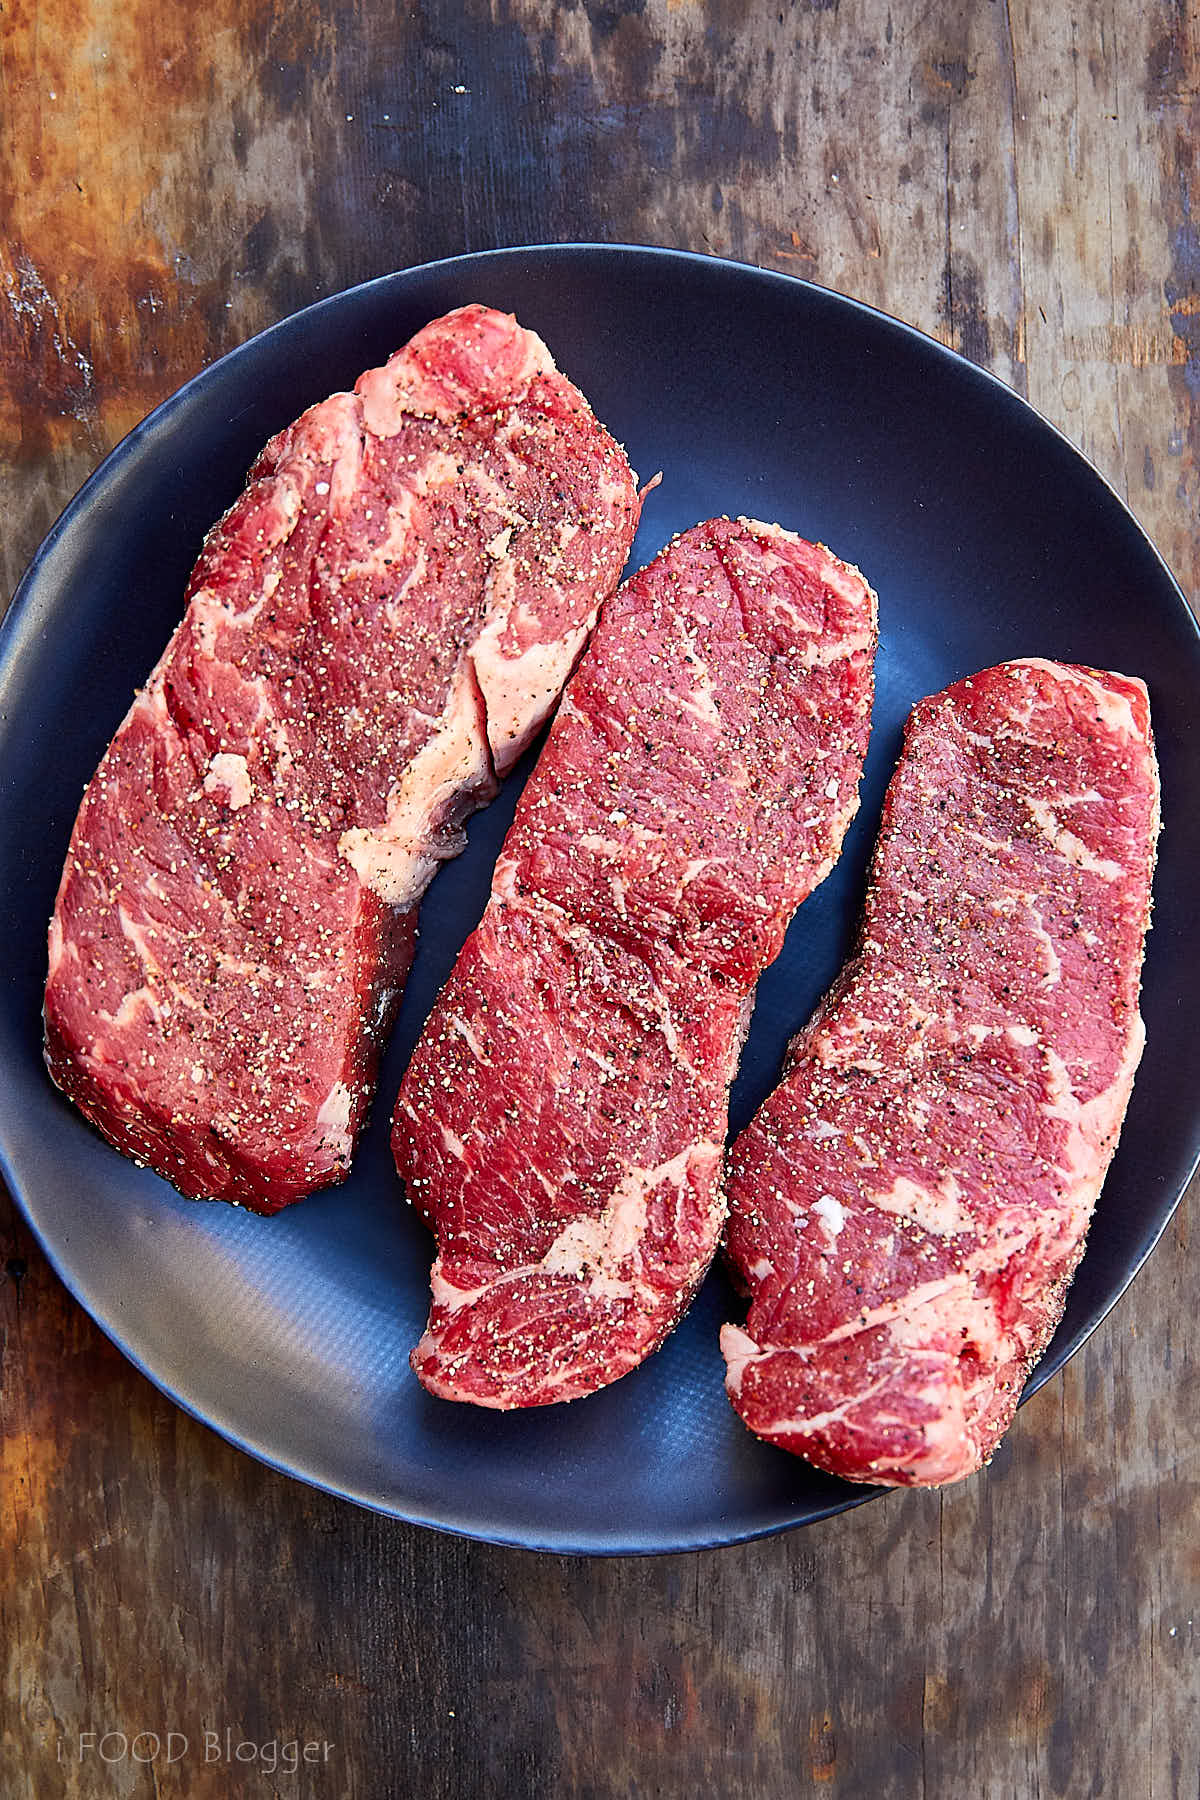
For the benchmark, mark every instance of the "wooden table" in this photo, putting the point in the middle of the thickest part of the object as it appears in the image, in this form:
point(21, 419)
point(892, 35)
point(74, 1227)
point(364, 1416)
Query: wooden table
point(1016, 179)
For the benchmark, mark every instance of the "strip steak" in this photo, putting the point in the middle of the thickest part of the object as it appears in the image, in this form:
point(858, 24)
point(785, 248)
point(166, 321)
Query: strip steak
point(373, 633)
point(910, 1204)
point(562, 1123)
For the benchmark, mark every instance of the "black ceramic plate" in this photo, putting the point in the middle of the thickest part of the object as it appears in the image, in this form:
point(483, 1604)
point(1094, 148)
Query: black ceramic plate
point(986, 535)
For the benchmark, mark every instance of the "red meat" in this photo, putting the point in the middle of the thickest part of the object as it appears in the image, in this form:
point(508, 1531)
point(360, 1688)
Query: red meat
point(373, 633)
point(563, 1120)
point(910, 1204)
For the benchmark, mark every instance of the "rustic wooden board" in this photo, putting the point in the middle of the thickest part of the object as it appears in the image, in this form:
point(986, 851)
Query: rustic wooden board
point(1015, 178)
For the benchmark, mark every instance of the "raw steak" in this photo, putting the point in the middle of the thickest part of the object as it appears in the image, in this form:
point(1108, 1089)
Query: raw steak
point(909, 1206)
point(562, 1123)
point(373, 633)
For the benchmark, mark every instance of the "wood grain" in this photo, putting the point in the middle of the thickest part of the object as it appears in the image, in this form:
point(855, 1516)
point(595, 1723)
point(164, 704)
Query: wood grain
point(1016, 179)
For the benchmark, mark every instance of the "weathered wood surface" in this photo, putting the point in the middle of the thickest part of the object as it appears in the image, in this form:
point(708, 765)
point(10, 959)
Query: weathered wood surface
point(1016, 179)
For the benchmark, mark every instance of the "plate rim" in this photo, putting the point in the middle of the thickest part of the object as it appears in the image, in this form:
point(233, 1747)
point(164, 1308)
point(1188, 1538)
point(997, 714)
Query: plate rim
point(12, 632)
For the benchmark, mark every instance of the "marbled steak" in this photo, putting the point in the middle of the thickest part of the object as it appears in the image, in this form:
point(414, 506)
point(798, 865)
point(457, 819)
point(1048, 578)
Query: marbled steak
point(910, 1204)
point(563, 1120)
point(373, 632)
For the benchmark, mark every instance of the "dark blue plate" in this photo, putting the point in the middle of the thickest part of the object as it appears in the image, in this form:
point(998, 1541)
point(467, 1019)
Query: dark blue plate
point(986, 535)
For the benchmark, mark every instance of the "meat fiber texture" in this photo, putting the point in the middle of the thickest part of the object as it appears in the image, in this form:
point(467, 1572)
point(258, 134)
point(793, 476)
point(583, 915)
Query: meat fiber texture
point(563, 1121)
point(373, 633)
point(910, 1204)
